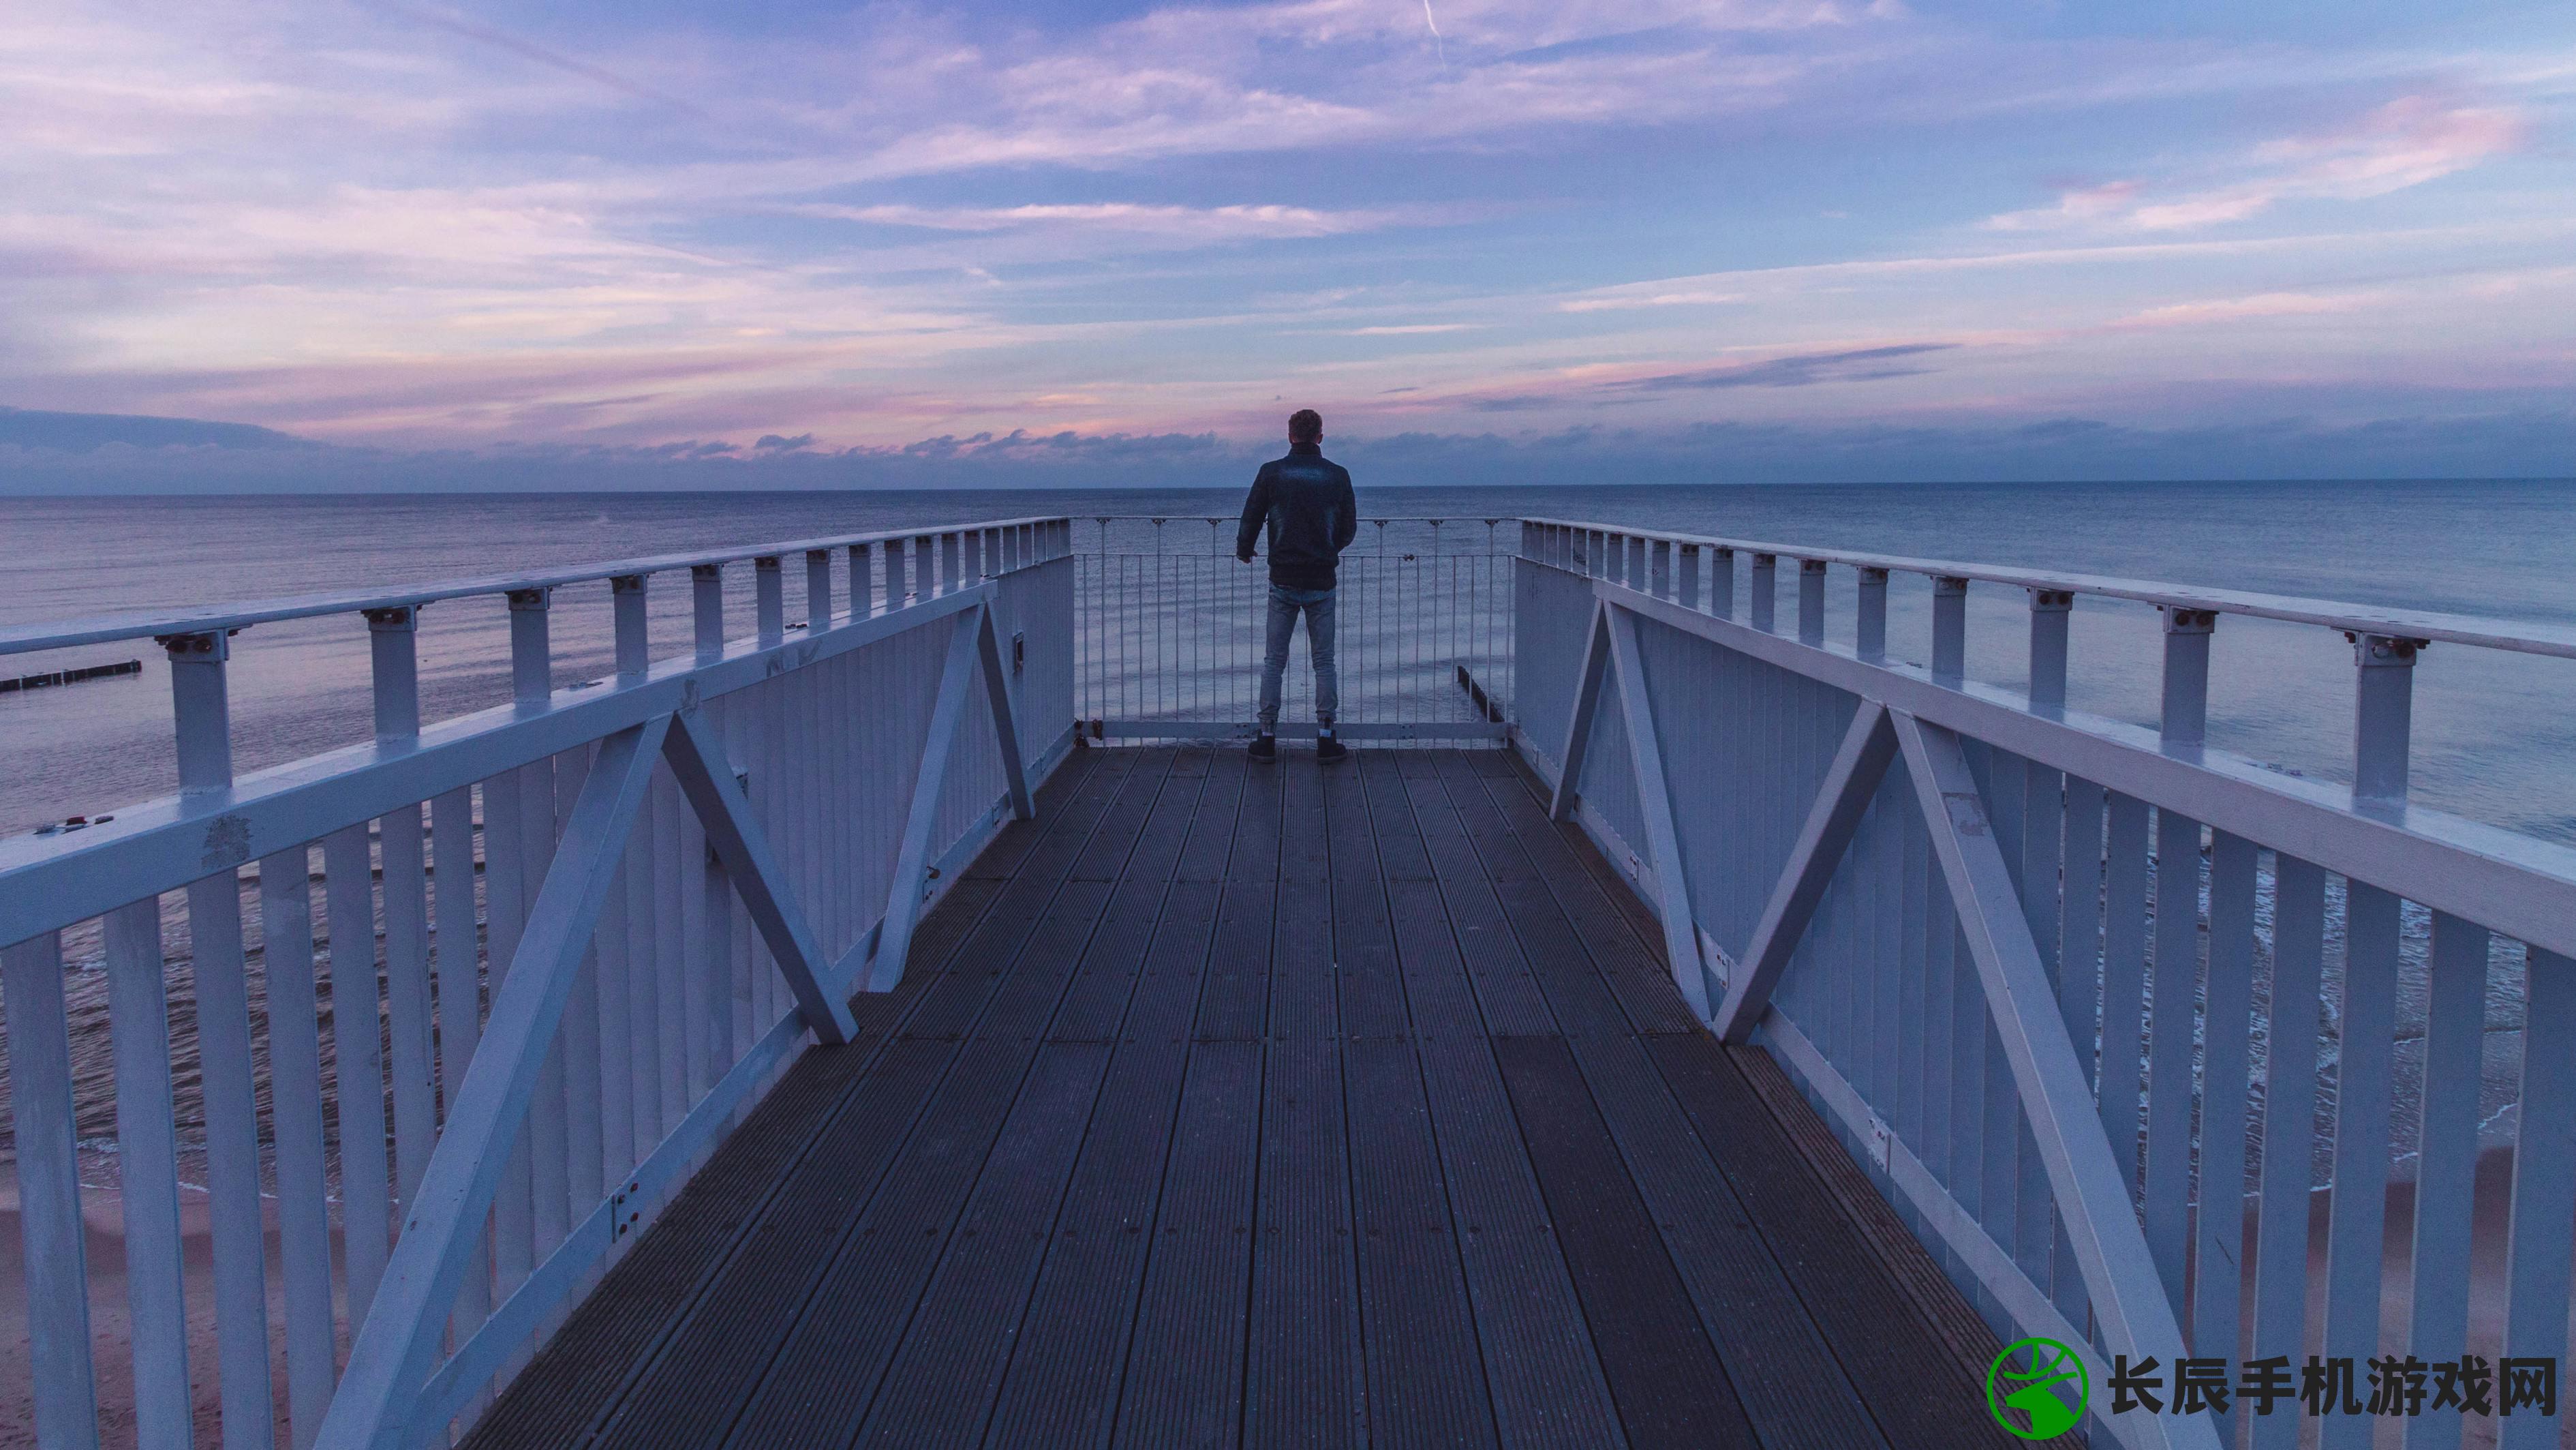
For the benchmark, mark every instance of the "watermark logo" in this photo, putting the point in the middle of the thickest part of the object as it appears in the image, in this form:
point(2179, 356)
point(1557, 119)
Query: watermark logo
point(2028, 1389)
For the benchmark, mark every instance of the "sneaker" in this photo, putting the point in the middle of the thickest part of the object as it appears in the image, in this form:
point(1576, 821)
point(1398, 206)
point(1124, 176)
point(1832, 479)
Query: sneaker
point(1265, 749)
point(1329, 749)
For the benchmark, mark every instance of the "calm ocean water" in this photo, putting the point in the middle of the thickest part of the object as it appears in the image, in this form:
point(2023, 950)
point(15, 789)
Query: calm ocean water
point(2495, 734)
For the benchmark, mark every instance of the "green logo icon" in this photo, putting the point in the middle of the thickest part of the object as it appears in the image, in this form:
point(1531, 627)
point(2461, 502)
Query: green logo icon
point(2023, 1388)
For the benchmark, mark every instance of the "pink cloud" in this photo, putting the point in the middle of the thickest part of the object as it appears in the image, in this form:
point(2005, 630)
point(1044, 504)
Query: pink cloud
point(2405, 143)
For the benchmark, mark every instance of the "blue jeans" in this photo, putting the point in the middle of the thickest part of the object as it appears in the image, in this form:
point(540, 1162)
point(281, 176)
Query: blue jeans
point(1285, 605)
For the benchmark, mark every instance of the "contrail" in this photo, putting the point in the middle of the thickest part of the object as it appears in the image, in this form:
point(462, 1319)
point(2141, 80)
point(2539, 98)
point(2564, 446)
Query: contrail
point(457, 25)
point(1436, 42)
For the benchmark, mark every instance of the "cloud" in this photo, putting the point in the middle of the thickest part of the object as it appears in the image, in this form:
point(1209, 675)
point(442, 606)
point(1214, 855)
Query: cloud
point(2231, 309)
point(86, 432)
point(771, 442)
point(2405, 143)
point(1193, 225)
point(1410, 329)
point(1623, 299)
point(1797, 370)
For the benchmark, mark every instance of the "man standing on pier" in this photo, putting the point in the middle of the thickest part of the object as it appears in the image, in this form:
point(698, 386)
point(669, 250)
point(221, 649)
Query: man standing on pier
point(1306, 500)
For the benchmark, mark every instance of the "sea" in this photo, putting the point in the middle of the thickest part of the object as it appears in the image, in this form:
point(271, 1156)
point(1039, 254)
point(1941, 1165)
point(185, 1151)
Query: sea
point(2495, 732)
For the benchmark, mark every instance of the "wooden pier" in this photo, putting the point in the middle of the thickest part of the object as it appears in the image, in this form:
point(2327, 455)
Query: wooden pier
point(1223, 1105)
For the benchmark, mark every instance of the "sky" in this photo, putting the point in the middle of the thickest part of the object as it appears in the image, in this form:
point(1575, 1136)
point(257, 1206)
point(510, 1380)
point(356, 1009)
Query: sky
point(774, 243)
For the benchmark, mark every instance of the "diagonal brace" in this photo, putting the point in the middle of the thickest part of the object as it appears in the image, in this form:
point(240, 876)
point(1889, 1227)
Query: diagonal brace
point(2092, 1196)
point(997, 695)
point(1587, 703)
point(1849, 785)
point(912, 857)
point(392, 1353)
point(698, 762)
point(1655, 803)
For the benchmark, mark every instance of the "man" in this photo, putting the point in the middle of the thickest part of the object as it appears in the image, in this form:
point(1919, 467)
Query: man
point(1305, 498)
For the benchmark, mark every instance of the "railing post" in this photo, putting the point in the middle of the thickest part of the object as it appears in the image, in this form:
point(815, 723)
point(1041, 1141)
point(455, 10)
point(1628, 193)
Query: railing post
point(201, 703)
point(531, 654)
point(1811, 601)
point(2050, 612)
point(1660, 571)
point(2383, 717)
point(60, 1369)
point(201, 707)
point(818, 591)
point(1686, 583)
point(863, 594)
point(393, 640)
point(1635, 561)
point(1949, 629)
point(2186, 694)
point(1870, 624)
point(1721, 583)
point(1766, 590)
point(706, 600)
point(769, 599)
point(634, 641)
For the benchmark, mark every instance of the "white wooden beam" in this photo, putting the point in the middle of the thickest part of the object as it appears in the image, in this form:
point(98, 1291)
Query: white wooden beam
point(1849, 784)
point(997, 692)
point(912, 857)
point(1655, 803)
point(1578, 725)
point(706, 778)
point(2092, 1197)
point(392, 1352)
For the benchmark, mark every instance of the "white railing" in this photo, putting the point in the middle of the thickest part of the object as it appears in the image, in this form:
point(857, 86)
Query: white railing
point(1171, 637)
point(2023, 957)
point(560, 946)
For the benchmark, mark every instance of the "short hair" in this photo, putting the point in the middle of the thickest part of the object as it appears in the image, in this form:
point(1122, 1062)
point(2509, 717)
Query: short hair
point(1305, 426)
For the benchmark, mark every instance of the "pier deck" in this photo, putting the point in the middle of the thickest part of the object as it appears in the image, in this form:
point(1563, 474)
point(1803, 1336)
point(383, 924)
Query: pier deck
point(1233, 1105)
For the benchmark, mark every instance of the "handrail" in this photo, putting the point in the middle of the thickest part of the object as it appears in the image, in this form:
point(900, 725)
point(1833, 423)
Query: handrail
point(2521, 636)
point(141, 624)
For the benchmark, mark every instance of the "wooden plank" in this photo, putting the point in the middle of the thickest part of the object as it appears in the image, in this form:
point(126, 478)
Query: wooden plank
point(2219, 1252)
point(232, 1160)
point(1062, 1385)
point(1541, 1369)
point(2544, 1186)
point(295, 1097)
point(1302, 1369)
point(1782, 1368)
point(147, 1162)
point(2447, 1148)
point(1663, 1373)
point(839, 1339)
point(55, 1260)
point(2356, 1215)
point(1184, 1372)
point(941, 1382)
point(1873, 1310)
point(358, 1081)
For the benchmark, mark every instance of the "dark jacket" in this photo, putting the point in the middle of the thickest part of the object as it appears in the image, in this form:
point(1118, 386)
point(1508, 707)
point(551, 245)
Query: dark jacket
point(1306, 499)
